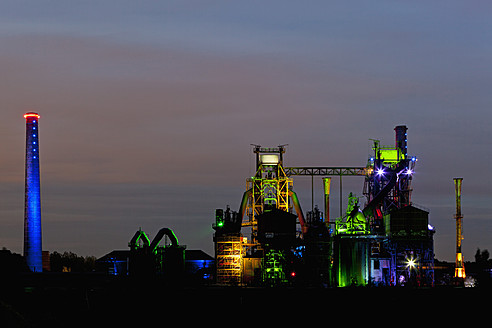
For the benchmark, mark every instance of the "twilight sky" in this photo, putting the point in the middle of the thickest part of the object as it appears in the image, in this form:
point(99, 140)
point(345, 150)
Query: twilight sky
point(148, 109)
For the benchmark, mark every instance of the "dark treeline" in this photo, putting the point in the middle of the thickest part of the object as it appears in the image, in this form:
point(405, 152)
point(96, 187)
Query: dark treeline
point(482, 268)
point(479, 271)
point(58, 262)
point(71, 262)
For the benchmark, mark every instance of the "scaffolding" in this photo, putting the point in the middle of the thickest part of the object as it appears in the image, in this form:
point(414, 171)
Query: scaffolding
point(229, 254)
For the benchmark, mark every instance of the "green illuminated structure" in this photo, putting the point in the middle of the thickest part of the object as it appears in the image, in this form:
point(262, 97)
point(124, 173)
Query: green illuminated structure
point(387, 154)
point(354, 223)
point(219, 217)
point(352, 244)
point(352, 262)
point(387, 184)
point(375, 244)
point(149, 258)
point(273, 268)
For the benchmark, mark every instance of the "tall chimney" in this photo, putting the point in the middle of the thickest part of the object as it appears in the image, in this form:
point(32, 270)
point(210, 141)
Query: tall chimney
point(459, 271)
point(401, 139)
point(32, 196)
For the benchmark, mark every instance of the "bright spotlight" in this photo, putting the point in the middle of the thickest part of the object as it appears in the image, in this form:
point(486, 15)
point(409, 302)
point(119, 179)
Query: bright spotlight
point(411, 263)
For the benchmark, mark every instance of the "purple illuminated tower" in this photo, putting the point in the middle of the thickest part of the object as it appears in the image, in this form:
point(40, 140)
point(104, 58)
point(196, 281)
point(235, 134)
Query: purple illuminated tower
point(32, 201)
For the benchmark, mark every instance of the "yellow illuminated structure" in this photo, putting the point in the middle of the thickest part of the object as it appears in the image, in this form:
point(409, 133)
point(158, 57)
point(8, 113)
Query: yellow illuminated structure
point(270, 188)
point(459, 271)
point(229, 255)
point(326, 190)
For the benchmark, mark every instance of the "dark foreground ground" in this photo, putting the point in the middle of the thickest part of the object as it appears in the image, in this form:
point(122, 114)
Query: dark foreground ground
point(71, 300)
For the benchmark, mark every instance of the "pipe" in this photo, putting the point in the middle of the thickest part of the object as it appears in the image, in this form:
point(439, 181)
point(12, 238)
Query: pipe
point(326, 188)
point(138, 235)
point(298, 209)
point(164, 231)
point(386, 189)
point(244, 201)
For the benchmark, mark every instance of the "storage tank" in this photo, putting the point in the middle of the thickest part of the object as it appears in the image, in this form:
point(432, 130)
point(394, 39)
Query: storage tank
point(352, 261)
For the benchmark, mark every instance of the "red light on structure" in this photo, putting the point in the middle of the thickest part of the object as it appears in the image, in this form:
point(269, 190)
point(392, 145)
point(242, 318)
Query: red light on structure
point(292, 274)
point(31, 114)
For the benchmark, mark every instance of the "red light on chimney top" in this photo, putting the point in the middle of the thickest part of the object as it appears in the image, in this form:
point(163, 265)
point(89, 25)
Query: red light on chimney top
point(31, 114)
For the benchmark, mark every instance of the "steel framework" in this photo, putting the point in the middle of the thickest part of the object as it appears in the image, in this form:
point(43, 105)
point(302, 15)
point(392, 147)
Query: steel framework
point(460, 267)
point(269, 188)
point(388, 185)
point(325, 171)
point(229, 254)
point(328, 171)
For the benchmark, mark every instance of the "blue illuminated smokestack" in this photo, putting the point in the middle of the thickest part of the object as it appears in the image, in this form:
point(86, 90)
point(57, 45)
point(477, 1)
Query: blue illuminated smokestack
point(32, 201)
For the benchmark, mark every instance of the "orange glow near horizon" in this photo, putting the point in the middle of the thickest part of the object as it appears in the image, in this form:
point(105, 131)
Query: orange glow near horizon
point(31, 114)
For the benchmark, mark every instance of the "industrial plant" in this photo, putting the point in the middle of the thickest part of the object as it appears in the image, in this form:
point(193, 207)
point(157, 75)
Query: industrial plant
point(385, 240)
point(382, 239)
point(268, 252)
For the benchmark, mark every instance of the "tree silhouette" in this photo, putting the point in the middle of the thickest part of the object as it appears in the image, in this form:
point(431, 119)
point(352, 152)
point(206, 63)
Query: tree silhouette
point(483, 268)
point(71, 262)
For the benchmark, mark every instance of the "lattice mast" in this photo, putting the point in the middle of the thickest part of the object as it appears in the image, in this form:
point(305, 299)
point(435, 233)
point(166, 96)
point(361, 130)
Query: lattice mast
point(459, 271)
